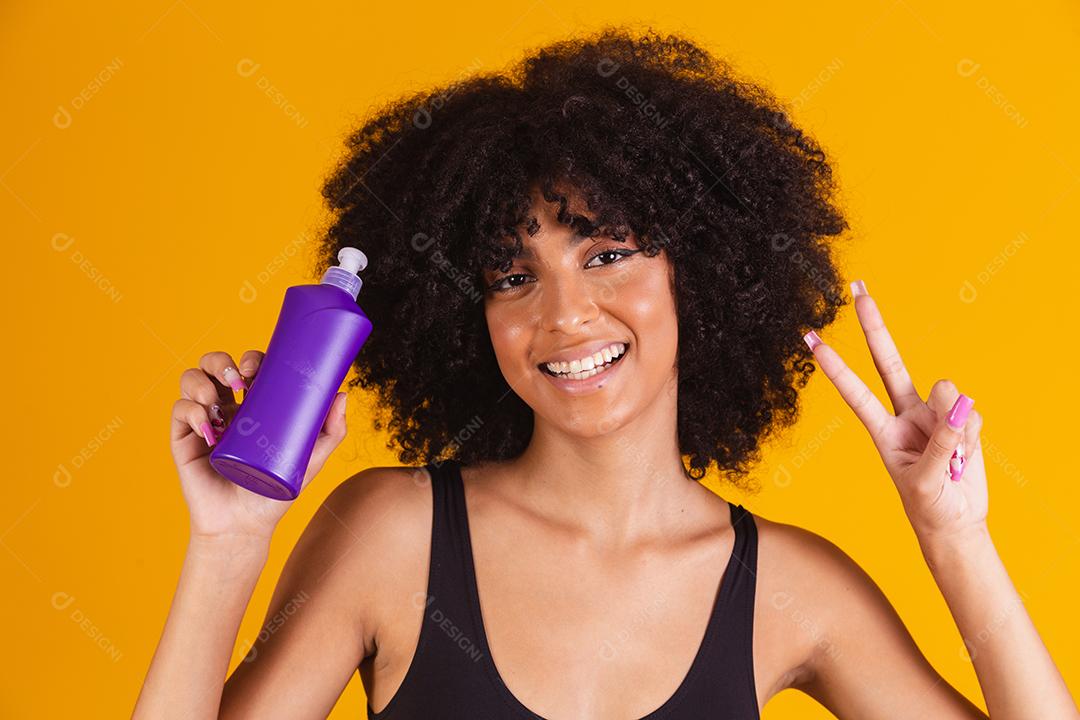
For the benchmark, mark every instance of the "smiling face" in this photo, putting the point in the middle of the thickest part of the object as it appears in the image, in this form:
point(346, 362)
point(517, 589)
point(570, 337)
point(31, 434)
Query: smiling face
point(569, 299)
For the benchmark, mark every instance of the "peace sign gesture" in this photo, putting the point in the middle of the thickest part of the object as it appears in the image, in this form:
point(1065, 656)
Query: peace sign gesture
point(930, 448)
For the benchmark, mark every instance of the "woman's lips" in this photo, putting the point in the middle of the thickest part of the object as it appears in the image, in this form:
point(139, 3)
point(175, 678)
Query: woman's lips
point(593, 382)
point(625, 348)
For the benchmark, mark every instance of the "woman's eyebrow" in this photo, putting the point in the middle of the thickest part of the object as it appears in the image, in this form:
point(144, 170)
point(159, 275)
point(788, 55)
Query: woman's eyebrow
point(572, 242)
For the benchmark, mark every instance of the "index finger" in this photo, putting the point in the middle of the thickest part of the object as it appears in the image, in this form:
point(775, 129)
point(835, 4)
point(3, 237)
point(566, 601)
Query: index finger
point(887, 360)
point(859, 398)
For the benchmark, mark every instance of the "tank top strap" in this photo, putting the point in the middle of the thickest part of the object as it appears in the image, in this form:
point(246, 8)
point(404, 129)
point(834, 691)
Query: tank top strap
point(447, 531)
point(729, 648)
point(445, 671)
point(460, 647)
point(739, 587)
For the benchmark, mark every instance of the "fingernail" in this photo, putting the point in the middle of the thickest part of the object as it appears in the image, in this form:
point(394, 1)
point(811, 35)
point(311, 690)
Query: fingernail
point(208, 434)
point(233, 378)
point(956, 463)
point(217, 419)
point(247, 370)
point(812, 339)
point(858, 288)
point(959, 412)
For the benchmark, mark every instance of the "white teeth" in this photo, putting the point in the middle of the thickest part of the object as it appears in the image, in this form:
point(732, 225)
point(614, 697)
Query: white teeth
point(590, 365)
point(583, 375)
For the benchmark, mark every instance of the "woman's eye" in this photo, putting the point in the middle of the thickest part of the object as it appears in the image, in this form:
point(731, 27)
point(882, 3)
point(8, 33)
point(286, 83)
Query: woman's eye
point(506, 284)
point(616, 253)
point(500, 284)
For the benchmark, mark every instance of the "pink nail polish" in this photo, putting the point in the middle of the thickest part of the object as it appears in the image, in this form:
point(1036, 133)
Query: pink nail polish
point(959, 412)
point(956, 463)
point(956, 468)
point(858, 288)
point(217, 419)
point(208, 434)
point(236, 382)
point(812, 339)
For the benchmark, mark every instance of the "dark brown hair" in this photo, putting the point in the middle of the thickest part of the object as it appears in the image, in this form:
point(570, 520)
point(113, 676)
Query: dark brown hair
point(664, 141)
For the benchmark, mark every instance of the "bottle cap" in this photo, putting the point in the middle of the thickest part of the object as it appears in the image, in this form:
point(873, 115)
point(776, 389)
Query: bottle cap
point(344, 275)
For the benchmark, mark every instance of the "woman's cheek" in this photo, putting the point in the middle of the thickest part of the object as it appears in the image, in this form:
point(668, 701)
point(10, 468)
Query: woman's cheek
point(509, 339)
point(649, 308)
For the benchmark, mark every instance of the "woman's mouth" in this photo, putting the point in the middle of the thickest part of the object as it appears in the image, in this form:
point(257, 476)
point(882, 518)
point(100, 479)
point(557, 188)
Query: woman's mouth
point(596, 364)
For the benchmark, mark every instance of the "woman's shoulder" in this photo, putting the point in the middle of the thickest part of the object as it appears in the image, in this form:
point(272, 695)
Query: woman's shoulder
point(793, 543)
point(374, 531)
point(379, 521)
point(798, 558)
point(808, 589)
point(386, 506)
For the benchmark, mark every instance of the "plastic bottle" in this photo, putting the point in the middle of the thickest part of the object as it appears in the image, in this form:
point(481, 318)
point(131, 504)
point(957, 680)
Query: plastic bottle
point(267, 446)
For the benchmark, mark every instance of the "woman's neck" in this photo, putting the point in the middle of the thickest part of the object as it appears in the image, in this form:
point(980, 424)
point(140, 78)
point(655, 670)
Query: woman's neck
point(621, 487)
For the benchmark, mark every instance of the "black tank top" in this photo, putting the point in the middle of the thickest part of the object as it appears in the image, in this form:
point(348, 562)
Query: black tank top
point(453, 676)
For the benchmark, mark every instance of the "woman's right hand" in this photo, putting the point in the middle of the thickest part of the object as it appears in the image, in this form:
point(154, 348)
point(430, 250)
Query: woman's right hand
point(220, 509)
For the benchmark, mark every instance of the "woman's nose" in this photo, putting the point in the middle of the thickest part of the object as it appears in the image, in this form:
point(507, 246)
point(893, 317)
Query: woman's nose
point(566, 304)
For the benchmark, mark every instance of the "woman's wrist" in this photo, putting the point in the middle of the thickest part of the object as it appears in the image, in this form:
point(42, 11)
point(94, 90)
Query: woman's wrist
point(234, 550)
point(187, 673)
point(946, 552)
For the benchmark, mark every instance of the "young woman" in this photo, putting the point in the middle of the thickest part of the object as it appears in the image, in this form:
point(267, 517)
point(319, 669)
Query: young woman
point(591, 279)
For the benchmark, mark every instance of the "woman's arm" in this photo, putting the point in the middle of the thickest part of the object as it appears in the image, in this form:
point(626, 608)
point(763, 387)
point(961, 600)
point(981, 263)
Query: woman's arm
point(864, 663)
point(1017, 676)
point(858, 658)
point(230, 531)
point(321, 621)
point(933, 454)
point(326, 609)
point(188, 671)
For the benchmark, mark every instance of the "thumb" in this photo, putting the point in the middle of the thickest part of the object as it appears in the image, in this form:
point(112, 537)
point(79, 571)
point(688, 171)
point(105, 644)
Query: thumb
point(946, 437)
point(333, 432)
point(335, 418)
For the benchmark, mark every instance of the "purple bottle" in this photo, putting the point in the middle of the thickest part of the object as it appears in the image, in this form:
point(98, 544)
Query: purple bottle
point(267, 446)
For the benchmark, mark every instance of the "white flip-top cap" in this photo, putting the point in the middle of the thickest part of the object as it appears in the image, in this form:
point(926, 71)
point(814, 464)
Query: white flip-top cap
point(351, 259)
point(344, 275)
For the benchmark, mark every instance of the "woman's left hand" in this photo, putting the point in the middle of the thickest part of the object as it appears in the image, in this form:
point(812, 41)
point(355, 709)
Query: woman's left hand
point(917, 443)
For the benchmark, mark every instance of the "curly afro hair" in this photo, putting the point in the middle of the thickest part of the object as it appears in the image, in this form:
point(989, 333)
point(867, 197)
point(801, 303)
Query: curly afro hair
point(662, 140)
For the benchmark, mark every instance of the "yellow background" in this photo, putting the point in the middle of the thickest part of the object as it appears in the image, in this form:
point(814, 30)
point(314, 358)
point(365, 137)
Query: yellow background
point(166, 213)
